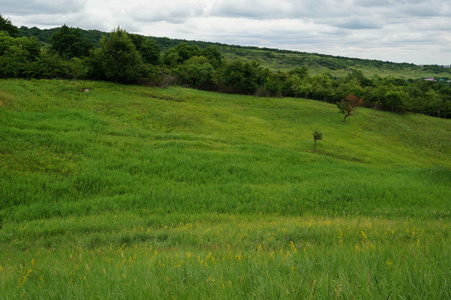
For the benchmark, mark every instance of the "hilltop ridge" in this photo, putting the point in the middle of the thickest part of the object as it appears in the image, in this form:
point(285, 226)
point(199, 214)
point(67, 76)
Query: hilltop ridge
point(279, 59)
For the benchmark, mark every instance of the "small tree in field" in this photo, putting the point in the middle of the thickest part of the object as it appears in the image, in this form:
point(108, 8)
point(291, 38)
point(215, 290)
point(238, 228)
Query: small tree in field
point(347, 106)
point(317, 136)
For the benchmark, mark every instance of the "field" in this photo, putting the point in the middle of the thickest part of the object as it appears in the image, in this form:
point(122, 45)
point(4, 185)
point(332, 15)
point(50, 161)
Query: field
point(132, 192)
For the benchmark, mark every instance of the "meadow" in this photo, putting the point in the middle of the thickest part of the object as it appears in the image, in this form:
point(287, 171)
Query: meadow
point(134, 192)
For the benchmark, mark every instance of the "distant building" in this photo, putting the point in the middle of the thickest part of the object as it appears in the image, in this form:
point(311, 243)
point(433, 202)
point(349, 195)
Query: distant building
point(430, 79)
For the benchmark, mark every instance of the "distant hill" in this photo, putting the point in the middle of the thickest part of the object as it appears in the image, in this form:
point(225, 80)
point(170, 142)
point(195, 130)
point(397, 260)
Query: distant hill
point(283, 60)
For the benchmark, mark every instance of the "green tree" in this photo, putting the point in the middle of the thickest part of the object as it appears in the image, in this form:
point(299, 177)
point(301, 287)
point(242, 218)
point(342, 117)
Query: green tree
point(358, 78)
point(300, 72)
point(398, 100)
point(213, 55)
point(417, 96)
point(150, 52)
point(181, 53)
point(245, 77)
point(434, 104)
point(17, 55)
point(50, 65)
point(376, 94)
point(78, 68)
point(306, 87)
point(6, 25)
point(149, 49)
point(273, 85)
point(322, 86)
point(119, 59)
point(296, 84)
point(317, 136)
point(69, 42)
point(196, 72)
point(347, 106)
point(300, 85)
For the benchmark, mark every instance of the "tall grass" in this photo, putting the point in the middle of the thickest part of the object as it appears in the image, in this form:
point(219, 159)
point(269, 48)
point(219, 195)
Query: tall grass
point(116, 147)
point(140, 192)
point(206, 256)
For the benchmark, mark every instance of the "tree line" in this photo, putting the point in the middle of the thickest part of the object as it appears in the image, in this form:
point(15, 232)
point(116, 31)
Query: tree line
point(134, 59)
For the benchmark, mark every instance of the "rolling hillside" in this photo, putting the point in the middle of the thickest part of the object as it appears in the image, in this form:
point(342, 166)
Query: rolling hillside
point(119, 146)
point(133, 192)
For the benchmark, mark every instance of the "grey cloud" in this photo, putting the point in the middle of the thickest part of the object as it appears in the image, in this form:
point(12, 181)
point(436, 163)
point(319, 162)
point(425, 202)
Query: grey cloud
point(175, 14)
point(427, 10)
point(250, 9)
point(285, 9)
point(360, 23)
point(26, 7)
point(419, 8)
point(372, 3)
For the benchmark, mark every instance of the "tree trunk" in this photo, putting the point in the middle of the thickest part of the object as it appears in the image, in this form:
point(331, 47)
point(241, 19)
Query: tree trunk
point(344, 120)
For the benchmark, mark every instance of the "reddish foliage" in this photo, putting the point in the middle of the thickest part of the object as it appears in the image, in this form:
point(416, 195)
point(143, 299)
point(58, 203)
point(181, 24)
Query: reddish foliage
point(354, 100)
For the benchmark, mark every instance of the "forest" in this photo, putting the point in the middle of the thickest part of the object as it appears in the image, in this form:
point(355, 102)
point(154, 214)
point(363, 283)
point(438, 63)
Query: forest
point(122, 57)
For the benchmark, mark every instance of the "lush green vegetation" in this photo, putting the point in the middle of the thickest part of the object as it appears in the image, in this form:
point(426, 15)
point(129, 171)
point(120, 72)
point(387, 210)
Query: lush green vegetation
point(279, 59)
point(130, 58)
point(119, 191)
point(125, 256)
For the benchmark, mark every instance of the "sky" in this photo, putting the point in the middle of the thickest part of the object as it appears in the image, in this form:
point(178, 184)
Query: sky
point(413, 31)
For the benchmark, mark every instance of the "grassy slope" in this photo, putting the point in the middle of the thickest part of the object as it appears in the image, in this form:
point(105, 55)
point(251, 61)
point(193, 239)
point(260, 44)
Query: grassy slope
point(195, 175)
point(196, 151)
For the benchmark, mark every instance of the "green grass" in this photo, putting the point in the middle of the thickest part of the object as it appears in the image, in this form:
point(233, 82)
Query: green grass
point(183, 256)
point(137, 192)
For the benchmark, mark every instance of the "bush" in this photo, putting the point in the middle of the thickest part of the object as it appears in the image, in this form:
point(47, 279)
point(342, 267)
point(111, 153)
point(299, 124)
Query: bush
point(119, 59)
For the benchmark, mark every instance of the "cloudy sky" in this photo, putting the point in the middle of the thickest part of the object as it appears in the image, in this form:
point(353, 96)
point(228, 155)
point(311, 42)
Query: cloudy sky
point(414, 31)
